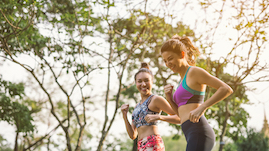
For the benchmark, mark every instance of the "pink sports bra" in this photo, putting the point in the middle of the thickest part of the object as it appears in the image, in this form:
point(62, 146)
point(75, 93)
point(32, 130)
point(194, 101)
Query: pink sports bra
point(185, 95)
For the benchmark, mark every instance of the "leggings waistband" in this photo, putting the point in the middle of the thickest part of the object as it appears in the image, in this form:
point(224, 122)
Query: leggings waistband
point(188, 124)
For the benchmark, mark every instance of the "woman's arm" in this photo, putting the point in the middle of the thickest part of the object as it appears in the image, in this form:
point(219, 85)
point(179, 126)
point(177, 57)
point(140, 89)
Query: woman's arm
point(223, 91)
point(174, 119)
point(168, 89)
point(131, 129)
point(159, 103)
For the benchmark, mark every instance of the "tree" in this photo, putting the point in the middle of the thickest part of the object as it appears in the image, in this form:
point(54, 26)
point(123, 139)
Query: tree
point(21, 37)
point(252, 141)
point(58, 59)
point(4, 145)
point(13, 110)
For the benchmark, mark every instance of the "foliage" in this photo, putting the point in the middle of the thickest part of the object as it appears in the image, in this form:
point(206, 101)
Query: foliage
point(11, 110)
point(4, 144)
point(253, 141)
point(22, 23)
point(230, 147)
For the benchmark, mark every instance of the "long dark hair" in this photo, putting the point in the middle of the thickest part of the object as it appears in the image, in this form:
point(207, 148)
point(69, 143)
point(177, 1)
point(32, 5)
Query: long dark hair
point(178, 44)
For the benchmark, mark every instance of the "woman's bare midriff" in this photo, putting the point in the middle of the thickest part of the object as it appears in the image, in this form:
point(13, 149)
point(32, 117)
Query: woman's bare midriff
point(144, 131)
point(184, 111)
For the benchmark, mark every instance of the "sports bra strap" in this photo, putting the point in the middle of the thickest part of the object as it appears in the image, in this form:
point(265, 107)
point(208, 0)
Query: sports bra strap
point(149, 99)
point(186, 72)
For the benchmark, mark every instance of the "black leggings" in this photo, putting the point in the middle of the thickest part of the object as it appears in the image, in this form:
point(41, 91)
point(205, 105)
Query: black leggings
point(200, 136)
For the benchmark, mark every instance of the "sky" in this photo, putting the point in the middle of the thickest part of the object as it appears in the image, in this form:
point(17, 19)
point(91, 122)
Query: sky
point(259, 97)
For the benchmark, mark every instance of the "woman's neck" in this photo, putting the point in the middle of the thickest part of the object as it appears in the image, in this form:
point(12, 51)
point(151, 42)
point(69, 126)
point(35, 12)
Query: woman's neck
point(183, 70)
point(144, 97)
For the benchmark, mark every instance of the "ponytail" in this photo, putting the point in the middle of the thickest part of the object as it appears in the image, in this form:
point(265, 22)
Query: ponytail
point(178, 44)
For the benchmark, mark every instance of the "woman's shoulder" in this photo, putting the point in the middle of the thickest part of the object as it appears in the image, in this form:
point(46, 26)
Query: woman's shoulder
point(197, 71)
point(200, 75)
point(157, 103)
point(196, 68)
point(157, 98)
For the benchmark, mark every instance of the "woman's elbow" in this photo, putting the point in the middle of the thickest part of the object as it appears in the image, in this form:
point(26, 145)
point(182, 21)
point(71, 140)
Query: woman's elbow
point(178, 122)
point(133, 137)
point(229, 90)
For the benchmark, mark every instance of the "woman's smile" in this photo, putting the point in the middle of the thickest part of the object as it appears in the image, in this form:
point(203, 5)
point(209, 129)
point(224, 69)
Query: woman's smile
point(144, 89)
point(172, 67)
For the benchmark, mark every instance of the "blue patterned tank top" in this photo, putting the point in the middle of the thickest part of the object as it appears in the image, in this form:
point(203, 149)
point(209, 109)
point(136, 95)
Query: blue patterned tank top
point(140, 111)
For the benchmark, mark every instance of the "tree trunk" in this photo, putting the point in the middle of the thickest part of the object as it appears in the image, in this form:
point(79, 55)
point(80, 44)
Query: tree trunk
point(16, 142)
point(104, 132)
point(69, 148)
point(78, 148)
point(227, 116)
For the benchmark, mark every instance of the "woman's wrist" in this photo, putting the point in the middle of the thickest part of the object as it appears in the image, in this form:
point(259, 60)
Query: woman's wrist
point(124, 115)
point(168, 97)
point(160, 117)
point(203, 106)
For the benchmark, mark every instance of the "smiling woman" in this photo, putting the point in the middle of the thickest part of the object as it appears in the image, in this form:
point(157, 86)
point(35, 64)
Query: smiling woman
point(143, 80)
point(147, 113)
point(188, 100)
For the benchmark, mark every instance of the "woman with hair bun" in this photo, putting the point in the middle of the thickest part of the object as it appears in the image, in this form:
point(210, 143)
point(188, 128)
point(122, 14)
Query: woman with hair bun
point(147, 113)
point(179, 55)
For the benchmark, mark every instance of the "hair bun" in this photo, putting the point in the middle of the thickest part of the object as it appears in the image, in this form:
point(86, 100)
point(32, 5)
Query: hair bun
point(144, 65)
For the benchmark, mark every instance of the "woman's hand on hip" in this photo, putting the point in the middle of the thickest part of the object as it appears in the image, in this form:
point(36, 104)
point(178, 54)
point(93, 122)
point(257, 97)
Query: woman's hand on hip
point(196, 114)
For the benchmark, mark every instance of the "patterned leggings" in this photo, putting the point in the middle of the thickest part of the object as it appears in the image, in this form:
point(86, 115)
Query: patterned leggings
point(151, 143)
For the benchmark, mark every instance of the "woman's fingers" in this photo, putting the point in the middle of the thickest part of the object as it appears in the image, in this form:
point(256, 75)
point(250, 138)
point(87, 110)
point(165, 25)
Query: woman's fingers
point(125, 107)
point(168, 88)
point(193, 118)
point(151, 118)
point(146, 118)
